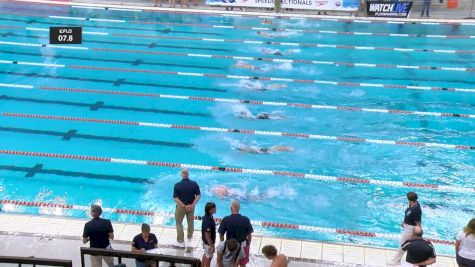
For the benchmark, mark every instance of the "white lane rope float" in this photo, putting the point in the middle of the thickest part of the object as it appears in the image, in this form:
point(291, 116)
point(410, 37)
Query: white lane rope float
point(277, 173)
point(258, 102)
point(346, 139)
point(235, 57)
point(168, 216)
point(246, 77)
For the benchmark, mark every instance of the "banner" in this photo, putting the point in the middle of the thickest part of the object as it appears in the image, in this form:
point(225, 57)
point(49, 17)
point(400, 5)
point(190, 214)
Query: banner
point(388, 9)
point(338, 5)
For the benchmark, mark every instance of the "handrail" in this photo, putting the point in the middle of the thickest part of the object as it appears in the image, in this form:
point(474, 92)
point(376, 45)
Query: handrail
point(193, 262)
point(35, 261)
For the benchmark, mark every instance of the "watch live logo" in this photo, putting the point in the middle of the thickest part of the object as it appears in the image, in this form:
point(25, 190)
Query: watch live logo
point(65, 35)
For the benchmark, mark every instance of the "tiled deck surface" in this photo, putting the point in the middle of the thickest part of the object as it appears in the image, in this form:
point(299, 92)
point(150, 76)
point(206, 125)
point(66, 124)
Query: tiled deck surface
point(61, 236)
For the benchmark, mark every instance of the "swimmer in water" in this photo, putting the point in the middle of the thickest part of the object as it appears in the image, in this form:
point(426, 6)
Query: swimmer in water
point(270, 51)
point(260, 116)
point(265, 150)
point(245, 65)
point(223, 191)
point(265, 34)
point(256, 85)
point(267, 21)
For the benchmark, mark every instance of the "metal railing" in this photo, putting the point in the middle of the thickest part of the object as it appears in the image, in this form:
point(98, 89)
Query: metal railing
point(35, 261)
point(157, 258)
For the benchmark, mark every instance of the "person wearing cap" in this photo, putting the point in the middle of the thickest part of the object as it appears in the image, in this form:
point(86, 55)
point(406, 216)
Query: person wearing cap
point(419, 251)
point(98, 232)
point(412, 218)
point(186, 194)
point(143, 242)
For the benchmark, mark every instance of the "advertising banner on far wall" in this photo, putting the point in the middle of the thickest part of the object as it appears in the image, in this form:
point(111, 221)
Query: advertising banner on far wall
point(340, 5)
point(388, 9)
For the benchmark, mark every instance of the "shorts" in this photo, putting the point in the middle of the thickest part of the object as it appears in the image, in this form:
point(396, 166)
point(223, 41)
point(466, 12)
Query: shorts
point(465, 262)
point(208, 253)
point(246, 247)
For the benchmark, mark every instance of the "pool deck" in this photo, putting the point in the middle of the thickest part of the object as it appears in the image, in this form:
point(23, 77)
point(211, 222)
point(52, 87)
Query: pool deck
point(60, 237)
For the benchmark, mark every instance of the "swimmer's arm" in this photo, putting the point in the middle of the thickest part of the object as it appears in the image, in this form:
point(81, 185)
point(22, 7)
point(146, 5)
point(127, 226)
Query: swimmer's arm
point(208, 238)
point(219, 260)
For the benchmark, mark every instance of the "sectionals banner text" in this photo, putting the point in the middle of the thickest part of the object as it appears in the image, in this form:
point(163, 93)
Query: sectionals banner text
point(388, 9)
point(342, 5)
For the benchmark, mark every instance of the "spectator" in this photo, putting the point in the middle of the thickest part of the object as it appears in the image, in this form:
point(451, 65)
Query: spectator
point(425, 7)
point(412, 217)
point(238, 227)
point(230, 253)
point(98, 232)
point(465, 245)
point(419, 251)
point(208, 234)
point(186, 194)
point(143, 242)
point(270, 252)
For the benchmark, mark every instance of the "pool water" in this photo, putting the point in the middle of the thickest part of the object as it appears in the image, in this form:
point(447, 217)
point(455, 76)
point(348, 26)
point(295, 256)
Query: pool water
point(119, 61)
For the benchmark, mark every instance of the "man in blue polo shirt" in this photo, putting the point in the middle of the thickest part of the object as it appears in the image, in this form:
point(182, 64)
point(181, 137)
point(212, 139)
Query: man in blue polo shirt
point(238, 227)
point(186, 194)
point(412, 218)
point(98, 232)
point(143, 242)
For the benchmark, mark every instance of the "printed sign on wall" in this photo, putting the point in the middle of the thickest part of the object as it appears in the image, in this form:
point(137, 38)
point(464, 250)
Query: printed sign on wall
point(388, 9)
point(341, 5)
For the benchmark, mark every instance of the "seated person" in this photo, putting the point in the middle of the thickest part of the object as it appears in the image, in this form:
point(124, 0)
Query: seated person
point(229, 253)
point(270, 252)
point(143, 242)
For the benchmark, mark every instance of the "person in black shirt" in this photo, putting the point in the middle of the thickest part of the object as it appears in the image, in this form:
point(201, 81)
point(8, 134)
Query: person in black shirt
point(412, 217)
point(186, 194)
point(143, 242)
point(238, 227)
point(98, 232)
point(208, 234)
point(419, 251)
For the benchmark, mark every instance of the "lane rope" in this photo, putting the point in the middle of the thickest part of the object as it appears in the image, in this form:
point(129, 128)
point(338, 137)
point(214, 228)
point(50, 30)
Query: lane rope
point(277, 60)
point(294, 44)
point(246, 77)
point(439, 36)
point(266, 224)
point(278, 173)
point(258, 102)
point(345, 139)
point(263, 78)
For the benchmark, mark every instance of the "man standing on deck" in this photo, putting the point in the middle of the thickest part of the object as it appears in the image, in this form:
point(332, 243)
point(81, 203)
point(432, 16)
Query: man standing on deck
point(98, 232)
point(238, 227)
point(425, 7)
point(186, 194)
point(412, 218)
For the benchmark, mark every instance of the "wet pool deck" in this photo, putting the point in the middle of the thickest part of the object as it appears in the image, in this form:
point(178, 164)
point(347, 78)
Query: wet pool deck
point(60, 237)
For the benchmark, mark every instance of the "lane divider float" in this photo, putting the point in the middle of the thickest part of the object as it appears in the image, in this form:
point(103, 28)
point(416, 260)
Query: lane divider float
point(277, 60)
point(345, 139)
point(259, 102)
point(246, 77)
point(168, 215)
point(278, 173)
point(293, 44)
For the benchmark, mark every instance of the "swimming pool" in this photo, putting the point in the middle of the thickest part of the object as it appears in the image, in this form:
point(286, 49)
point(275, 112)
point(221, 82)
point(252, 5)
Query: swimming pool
point(371, 110)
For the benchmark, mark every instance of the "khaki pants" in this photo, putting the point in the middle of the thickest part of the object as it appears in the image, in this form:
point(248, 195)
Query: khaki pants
point(96, 261)
point(405, 235)
point(190, 218)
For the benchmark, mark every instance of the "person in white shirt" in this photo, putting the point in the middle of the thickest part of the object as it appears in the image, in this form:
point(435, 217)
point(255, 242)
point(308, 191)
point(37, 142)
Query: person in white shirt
point(465, 245)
